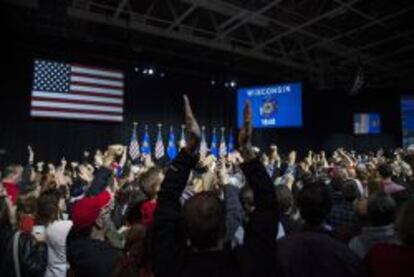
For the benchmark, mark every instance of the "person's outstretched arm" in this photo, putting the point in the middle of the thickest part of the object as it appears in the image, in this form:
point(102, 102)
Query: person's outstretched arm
point(259, 249)
point(168, 234)
point(27, 172)
point(261, 231)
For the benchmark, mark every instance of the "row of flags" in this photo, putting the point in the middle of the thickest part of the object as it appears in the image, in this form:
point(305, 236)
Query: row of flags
point(218, 149)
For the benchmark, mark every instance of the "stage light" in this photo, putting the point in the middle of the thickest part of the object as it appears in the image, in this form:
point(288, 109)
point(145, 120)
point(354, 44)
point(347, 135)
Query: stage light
point(151, 71)
point(213, 82)
point(226, 84)
point(233, 84)
point(136, 69)
point(162, 74)
point(145, 71)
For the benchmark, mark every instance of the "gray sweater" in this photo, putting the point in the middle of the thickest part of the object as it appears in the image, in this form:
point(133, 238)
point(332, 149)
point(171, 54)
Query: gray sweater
point(370, 236)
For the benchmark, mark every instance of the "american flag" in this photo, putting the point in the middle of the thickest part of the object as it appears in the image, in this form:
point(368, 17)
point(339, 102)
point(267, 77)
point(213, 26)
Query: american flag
point(134, 145)
point(74, 91)
point(159, 145)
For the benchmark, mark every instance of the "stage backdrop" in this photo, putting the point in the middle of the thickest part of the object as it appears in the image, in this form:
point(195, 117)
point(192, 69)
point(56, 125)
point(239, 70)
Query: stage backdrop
point(327, 115)
point(147, 101)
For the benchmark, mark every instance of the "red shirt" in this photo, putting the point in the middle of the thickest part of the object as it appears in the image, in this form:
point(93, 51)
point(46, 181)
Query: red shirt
point(147, 211)
point(385, 260)
point(12, 190)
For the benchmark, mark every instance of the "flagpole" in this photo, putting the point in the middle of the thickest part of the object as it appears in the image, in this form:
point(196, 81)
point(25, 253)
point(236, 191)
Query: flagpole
point(134, 126)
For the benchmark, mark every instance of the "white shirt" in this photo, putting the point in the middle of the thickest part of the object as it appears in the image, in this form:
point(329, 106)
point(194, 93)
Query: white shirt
point(56, 242)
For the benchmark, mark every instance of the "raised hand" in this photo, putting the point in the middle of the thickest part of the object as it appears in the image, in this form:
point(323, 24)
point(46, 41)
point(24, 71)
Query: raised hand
point(86, 173)
point(31, 154)
point(309, 158)
point(223, 174)
point(109, 156)
point(292, 157)
point(115, 150)
point(192, 127)
point(98, 158)
point(245, 134)
point(39, 166)
point(123, 159)
point(51, 168)
point(63, 163)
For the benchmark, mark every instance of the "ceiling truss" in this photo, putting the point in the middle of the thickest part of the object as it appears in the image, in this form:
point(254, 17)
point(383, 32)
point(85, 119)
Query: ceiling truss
point(283, 32)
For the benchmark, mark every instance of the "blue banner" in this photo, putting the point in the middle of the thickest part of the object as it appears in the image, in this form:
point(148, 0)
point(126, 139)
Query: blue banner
point(272, 106)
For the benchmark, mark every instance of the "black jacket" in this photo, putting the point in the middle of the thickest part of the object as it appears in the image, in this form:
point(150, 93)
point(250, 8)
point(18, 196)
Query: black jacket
point(255, 258)
point(90, 257)
point(32, 255)
point(312, 253)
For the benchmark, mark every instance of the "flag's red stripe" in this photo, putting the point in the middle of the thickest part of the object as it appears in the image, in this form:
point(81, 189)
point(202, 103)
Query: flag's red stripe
point(85, 93)
point(93, 85)
point(90, 75)
point(97, 68)
point(76, 101)
point(67, 110)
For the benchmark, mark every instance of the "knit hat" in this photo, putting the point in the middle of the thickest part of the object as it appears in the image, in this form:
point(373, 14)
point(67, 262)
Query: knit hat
point(87, 210)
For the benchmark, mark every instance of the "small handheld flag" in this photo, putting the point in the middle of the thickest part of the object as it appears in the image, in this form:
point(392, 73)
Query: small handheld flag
point(213, 147)
point(146, 147)
point(159, 145)
point(223, 148)
point(172, 148)
point(133, 144)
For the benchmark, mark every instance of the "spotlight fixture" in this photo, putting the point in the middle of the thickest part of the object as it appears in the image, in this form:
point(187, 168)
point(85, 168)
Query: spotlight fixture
point(233, 84)
point(151, 71)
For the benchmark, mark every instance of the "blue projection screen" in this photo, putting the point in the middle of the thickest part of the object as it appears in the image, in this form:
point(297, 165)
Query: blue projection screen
point(367, 123)
point(407, 117)
point(275, 106)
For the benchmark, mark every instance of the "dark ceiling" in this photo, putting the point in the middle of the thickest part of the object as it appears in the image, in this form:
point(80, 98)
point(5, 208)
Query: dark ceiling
point(324, 41)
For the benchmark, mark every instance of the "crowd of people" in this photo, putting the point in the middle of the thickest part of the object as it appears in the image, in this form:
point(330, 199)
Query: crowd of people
point(249, 213)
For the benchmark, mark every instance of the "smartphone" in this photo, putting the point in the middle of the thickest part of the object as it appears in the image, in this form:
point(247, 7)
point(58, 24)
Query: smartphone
point(38, 230)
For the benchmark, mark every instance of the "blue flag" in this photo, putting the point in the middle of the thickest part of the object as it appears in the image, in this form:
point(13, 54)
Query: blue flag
point(230, 144)
point(213, 147)
point(146, 144)
point(172, 147)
